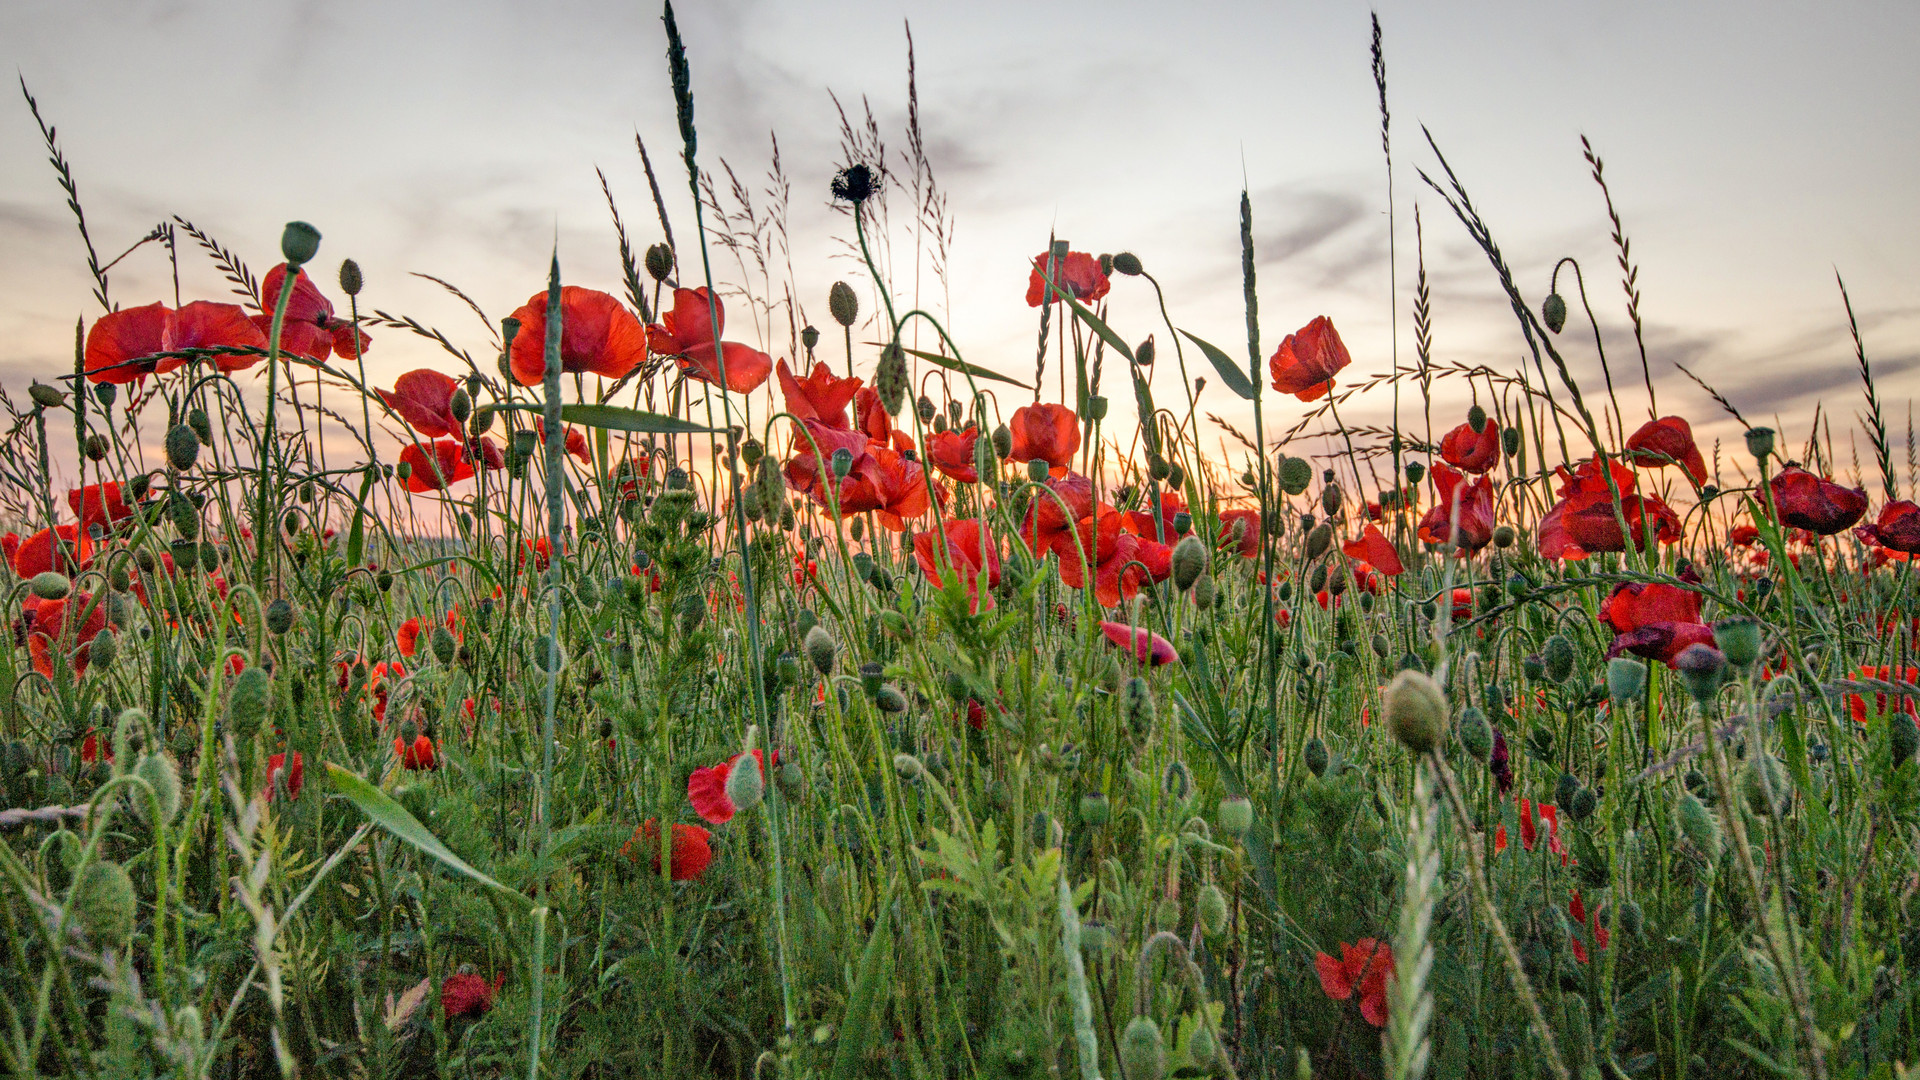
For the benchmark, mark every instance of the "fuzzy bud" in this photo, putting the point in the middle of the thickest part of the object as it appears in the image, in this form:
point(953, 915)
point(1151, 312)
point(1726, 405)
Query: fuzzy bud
point(889, 699)
point(1126, 262)
point(1476, 735)
point(104, 904)
point(161, 774)
point(1416, 711)
point(821, 649)
point(745, 786)
point(1902, 736)
point(1559, 657)
point(1295, 475)
point(247, 702)
point(50, 585)
point(350, 279)
point(1318, 541)
point(1203, 592)
point(1330, 499)
point(1317, 757)
point(47, 397)
point(1235, 815)
point(659, 260)
point(1553, 312)
point(1698, 825)
point(890, 378)
point(908, 767)
point(1189, 562)
point(1626, 679)
point(1142, 1051)
point(1095, 810)
point(183, 447)
point(843, 303)
point(280, 616)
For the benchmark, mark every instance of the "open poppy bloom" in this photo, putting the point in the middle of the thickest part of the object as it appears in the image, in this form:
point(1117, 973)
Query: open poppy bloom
point(707, 788)
point(1668, 441)
point(121, 345)
point(407, 638)
point(690, 856)
point(598, 336)
point(1048, 432)
point(424, 398)
point(1590, 925)
point(1308, 359)
point(952, 453)
point(1045, 522)
point(891, 485)
point(1472, 451)
point(1584, 522)
point(99, 504)
point(45, 640)
point(1653, 620)
point(466, 994)
point(1809, 502)
point(1857, 703)
point(1530, 827)
point(1743, 536)
point(870, 419)
point(1475, 501)
point(437, 467)
point(971, 549)
point(576, 444)
point(1364, 966)
point(1078, 275)
point(818, 396)
point(416, 755)
point(540, 548)
point(1241, 528)
point(311, 329)
point(1146, 646)
point(1898, 528)
point(1373, 548)
point(94, 749)
point(687, 333)
point(294, 772)
point(1144, 523)
point(1110, 553)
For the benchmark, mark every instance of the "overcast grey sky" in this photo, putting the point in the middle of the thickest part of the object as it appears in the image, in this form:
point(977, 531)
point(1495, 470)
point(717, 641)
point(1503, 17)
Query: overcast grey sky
point(1752, 148)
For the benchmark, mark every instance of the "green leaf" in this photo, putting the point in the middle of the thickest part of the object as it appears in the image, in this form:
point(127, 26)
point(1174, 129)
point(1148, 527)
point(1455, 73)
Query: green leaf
point(391, 816)
point(614, 418)
point(866, 1004)
point(1230, 372)
point(1098, 324)
point(357, 535)
point(960, 366)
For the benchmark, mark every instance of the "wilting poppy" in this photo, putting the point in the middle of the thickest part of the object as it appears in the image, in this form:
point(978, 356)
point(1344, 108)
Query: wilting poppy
point(49, 624)
point(1048, 432)
point(295, 773)
point(99, 504)
point(1373, 548)
point(971, 548)
point(1653, 620)
point(1242, 529)
point(1307, 360)
point(1897, 529)
point(482, 451)
point(1806, 501)
point(1857, 703)
point(687, 333)
point(416, 755)
point(424, 398)
point(1045, 522)
point(1472, 451)
point(467, 994)
point(598, 336)
point(951, 452)
point(310, 329)
point(690, 854)
point(818, 395)
point(1530, 828)
point(1364, 966)
point(1577, 911)
point(1078, 275)
point(436, 467)
point(1475, 501)
point(1668, 441)
point(707, 788)
point(1146, 646)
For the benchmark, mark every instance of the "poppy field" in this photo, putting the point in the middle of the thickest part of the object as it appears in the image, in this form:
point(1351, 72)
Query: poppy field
point(624, 697)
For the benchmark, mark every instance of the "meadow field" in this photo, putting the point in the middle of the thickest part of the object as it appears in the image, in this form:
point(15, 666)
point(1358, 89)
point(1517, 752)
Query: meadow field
point(621, 698)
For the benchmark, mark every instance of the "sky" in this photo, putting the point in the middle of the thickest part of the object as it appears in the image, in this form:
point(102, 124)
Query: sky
point(1753, 150)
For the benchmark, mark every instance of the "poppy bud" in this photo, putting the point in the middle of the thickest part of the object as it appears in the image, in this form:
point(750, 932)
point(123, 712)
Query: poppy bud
point(889, 699)
point(1477, 419)
point(1626, 679)
point(47, 397)
point(1318, 541)
point(1583, 804)
point(745, 786)
point(1317, 581)
point(1416, 711)
point(1189, 562)
point(96, 446)
point(1201, 1045)
point(871, 677)
point(1763, 777)
point(50, 585)
point(444, 647)
point(1295, 475)
point(1126, 262)
point(659, 260)
point(1136, 700)
point(1142, 1052)
point(460, 406)
point(103, 903)
point(1234, 815)
point(1553, 312)
point(1565, 789)
point(403, 471)
point(1330, 499)
point(908, 767)
point(280, 616)
point(1415, 472)
point(1760, 442)
point(1476, 735)
point(843, 304)
point(1739, 639)
point(1701, 669)
point(163, 776)
point(1037, 470)
point(890, 378)
point(383, 580)
point(1559, 657)
point(1177, 781)
point(350, 280)
point(1504, 537)
point(1095, 811)
point(1510, 441)
point(299, 243)
point(1317, 757)
point(247, 702)
point(1902, 736)
point(1203, 592)
point(1698, 825)
point(1631, 919)
point(1212, 907)
point(821, 649)
point(896, 625)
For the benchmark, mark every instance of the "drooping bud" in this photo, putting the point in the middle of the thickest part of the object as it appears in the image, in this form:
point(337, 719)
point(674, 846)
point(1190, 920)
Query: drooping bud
point(1318, 541)
point(890, 378)
point(1553, 312)
point(745, 786)
point(163, 776)
point(280, 616)
point(1559, 657)
point(1126, 262)
point(1317, 757)
point(1189, 562)
point(299, 243)
point(183, 447)
point(1510, 441)
point(50, 585)
point(1416, 710)
point(104, 649)
point(103, 903)
point(445, 648)
point(1902, 736)
point(1477, 419)
point(1212, 907)
point(908, 767)
point(1504, 537)
point(202, 425)
point(248, 701)
point(843, 303)
point(1761, 778)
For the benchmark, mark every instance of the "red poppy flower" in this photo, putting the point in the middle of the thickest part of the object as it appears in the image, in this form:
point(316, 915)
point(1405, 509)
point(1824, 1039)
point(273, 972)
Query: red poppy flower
point(1374, 549)
point(1475, 528)
point(1045, 522)
point(416, 755)
point(310, 330)
point(45, 635)
point(295, 773)
point(1653, 620)
point(1743, 535)
point(1806, 501)
point(407, 638)
point(1898, 528)
point(1146, 646)
point(818, 396)
point(482, 451)
point(598, 336)
point(1144, 523)
point(99, 504)
point(1577, 910)
point(436, 467)
point(466, 994)
point(690, 856)
point(118, 340)
point(952, 453)
point(1530, 829)
point(540, 548)
point(894, 485)
point(1078, 275)
point(1471, 451)
point(1583, 521)
point(971, 549)
point(707, 788)
point(1364, 966)
point(809, 472)
point(1857, 703)
point(576, 444)
point(871, 419)
point(1307, 361)
point(687, 333)
point(1249, 537)
point(424, 398)
point(1462, 604)
point(1048, 432)
point(1121, 562)
point(1668, 441)
point(93, 748)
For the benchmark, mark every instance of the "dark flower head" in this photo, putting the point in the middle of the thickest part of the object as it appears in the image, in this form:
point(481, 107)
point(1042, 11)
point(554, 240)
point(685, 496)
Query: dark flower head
point(853, 184)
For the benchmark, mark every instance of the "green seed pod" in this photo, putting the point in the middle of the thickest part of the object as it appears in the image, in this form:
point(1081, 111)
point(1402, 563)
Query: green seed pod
point(1739, 639)
point(103, 903)
point(1203, 592)
point(821, 649)
point(50, 585)
point(659, 260)
point(1234, 815)
point(161, 774)
point(1317, 757)
point(1189, 562)
point(1037, 470)
point(1760, 442)
point(1095, 810)
point(1142, 1052)
point(1698, 825)
point(299, 243)
point(1476, 735)
point(1097, 407)
point(1902, 736)
point(1553, 312)
point(248, 702)
point(1417, 711)
point(1295, 475)
point(843, 303)
point(1558, 655)
point(1415, 472)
